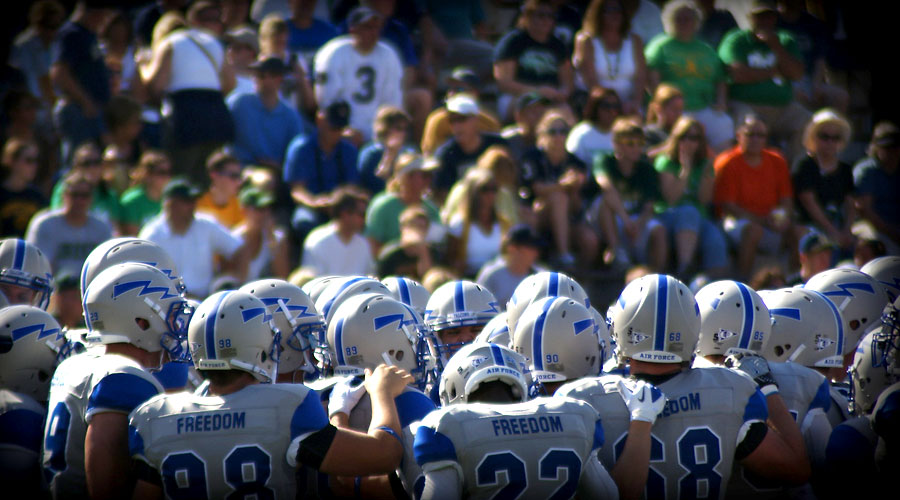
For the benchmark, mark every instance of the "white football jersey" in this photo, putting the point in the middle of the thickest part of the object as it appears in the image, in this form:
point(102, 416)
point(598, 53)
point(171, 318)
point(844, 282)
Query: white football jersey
point(244, 443)
point(83, 386)
point(512, 450)
point(694, 439)
point(365, 81)
point(21, 428)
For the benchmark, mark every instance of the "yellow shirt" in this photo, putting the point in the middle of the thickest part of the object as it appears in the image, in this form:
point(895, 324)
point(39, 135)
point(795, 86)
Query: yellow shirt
point(229, 215)
point(437, 128)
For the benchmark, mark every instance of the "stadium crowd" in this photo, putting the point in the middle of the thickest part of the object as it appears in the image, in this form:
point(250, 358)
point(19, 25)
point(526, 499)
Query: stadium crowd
point(212, 212)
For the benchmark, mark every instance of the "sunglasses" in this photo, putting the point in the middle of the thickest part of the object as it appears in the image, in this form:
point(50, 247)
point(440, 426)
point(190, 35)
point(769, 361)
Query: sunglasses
point(822, 136)
point(557, 131)
point(632, 142)
point(756, 134)
point(235, 176)
point(455, 118)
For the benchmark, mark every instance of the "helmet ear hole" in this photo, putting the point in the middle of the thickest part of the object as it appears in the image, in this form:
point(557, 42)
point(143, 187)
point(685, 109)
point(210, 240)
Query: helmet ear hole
point(142, 323)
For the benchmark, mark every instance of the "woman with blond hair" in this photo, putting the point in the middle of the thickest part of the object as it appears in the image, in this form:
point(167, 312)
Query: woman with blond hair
point(476, 228)
point(823, 184)
point(686, 179)
point(500, 164)
point(664, 110)
point(19, 196)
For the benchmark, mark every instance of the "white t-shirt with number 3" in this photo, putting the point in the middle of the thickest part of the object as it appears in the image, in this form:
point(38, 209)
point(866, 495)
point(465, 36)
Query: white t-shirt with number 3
point(365, 81)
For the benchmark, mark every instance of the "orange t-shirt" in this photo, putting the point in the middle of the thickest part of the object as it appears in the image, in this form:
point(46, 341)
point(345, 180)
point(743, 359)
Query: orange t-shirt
point(757, 189)
point(229, 215)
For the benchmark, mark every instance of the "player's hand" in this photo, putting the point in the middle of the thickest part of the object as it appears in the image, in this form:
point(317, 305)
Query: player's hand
point(644, 400)
point(345, 396)
point(387, 380)
point(755, 366)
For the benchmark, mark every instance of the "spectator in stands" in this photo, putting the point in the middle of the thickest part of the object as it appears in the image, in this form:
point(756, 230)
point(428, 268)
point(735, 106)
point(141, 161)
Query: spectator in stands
point(117, 43)
point(306, 33)
point(221, 198)
point(686, 180)
point(146, 18)
point(264, 124)
point(410, 255)
point(20, 199)
point(267, 245)
point(629, 186)
point(361, 70)
point(189, 67)
point(521, 135)
point(531, 59)
point(559, 188)
point(681, 59)
point(296, 88)
point(815, 43)
point(518, 257)
point(816, 255)
point(86, 160)
point(608, 54)
point(592, 136)
point(715, 23)
point(406, 188)
point(753, 193)
point(867, 250)
point(475, 229)
point(235, 14)
point(823, 184)
point(338, 247)
point(316, 164)
point(768, 278)
point(193, 241)
point(502, 168)
point(32, 50)
point(456, 34)
point(65, 303)
point(378, 158)
point(81, 75)
point(762, 62)
point(646, 18)
point(67, 235)
point(663, 112)
point(241, 48)
point(123, 122)
point(143, 200)
point(462, 150)
point(437, 127)
point(20, 111)
point(877, 181)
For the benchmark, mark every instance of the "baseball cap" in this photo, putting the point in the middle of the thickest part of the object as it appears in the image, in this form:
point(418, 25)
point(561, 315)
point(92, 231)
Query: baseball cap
point(760, 6)
point(523, 235)
point(814, 242)
point(462, 104)
point(243, 36)
point(338, 114)
point(270, 65)
point(465, 75)
point(360, 15)
point(886, 134)
point(529, 98)
point(256, 198)
point(181, 189)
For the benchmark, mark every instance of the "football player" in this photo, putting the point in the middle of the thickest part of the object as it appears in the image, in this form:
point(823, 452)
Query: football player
point(488, 442)
point(25, 276)
point(408, 291)
point(712, 418)
point(456, 313)
point(136, 312)
point(886, 270)
point(28, 351)
point(540, 285)
point(734, 328)
point(248, 436)
point(368, 330)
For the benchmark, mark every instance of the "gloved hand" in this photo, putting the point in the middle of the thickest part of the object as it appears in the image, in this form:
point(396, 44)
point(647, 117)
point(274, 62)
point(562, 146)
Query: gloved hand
point(757, 367)
point(345, 395)
point(644, 400)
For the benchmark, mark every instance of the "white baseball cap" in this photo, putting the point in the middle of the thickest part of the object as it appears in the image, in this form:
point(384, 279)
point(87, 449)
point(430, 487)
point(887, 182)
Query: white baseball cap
point(462, 104)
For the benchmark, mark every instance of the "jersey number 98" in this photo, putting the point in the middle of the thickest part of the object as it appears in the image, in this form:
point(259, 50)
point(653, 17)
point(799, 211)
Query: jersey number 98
point(184, 474)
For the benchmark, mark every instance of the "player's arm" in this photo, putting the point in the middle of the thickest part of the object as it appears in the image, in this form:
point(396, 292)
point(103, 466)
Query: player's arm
point(106, 462)
point(774, 459)
point(596, 482)
point(442, 483)
point(144, 490)
point(644, 402)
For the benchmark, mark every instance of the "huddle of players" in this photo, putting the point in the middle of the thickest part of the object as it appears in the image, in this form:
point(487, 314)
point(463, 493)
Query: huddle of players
point(521, 393)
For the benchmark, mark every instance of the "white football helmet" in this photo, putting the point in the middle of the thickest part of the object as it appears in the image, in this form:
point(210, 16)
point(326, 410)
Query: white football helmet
point(733, 318)
point(603, 336)
point(233, 330)
point(806, 328)
point(408, 291)
point(370, 329)
point(316, 286)
point(540, 285)
point(342, 289)
point(859, 297)
point(302, 327)
point(120, 250)
point(875, 367)
point(29, 338)
point(137, 304)
point(887, 271)
point(558, 338)
point(23, 264)
point(656, 320)
point(453, 305)
point(496, 331)
point(476, 364)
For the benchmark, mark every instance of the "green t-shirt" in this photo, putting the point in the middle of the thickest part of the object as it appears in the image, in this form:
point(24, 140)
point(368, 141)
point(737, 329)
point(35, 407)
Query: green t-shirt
point(383, 216)
point(741, 46)
point(693, 67)
point(105, 204)
point(136, 207)
point(636, 190)
point(665, 164)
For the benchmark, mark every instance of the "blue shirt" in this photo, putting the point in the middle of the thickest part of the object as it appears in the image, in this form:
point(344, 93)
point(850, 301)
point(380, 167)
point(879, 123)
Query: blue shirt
point(77, 47)
point(873, 180)
point(307, 41)
point(369, 158)
point(319, 172)
point(261, 133)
